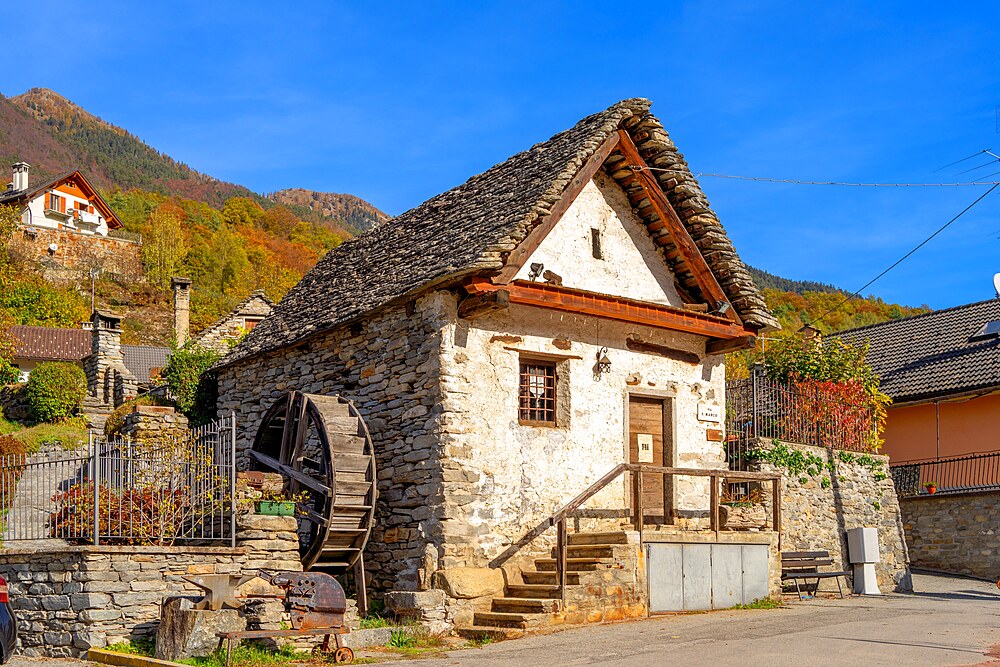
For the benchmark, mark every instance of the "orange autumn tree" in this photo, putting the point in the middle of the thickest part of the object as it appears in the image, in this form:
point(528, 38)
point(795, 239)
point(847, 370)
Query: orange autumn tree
point(835, 397)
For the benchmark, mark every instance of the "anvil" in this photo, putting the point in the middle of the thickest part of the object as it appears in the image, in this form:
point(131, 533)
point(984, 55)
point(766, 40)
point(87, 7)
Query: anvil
point(220, 590)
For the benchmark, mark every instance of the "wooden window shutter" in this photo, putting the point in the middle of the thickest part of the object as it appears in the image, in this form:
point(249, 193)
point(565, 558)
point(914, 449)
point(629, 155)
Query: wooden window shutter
point(62, 204)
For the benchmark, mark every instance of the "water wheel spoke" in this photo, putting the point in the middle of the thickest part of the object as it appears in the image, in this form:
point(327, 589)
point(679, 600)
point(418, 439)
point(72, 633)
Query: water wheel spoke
point(287, 470)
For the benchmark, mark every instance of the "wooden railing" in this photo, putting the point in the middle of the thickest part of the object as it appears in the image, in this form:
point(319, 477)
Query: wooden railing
point(640, 470)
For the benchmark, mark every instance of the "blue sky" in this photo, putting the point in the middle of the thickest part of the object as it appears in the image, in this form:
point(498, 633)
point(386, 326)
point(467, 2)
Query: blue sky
point(396, 102)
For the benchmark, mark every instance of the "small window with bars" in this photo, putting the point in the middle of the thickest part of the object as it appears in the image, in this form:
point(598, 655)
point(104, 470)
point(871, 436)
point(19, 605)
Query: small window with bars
point(537, 393)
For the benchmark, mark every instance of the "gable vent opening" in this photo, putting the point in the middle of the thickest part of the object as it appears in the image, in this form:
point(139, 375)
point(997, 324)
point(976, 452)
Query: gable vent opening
point(595, 243)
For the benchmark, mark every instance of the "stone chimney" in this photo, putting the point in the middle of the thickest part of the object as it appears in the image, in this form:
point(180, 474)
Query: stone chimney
point(182, 308)
point(105, 354)
point(21, 175)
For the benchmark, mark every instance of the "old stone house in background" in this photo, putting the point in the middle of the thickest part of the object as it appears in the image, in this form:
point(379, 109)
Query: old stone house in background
point(512, 340)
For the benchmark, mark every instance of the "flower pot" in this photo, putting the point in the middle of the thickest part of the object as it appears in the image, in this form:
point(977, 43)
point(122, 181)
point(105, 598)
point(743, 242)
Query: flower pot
point(276, 508)
point(931, 489)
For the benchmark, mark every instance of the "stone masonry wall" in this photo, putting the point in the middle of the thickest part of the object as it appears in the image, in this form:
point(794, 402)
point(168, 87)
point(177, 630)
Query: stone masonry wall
point(956, 533)
point(389, 367)
point(816, 514)
point(74, 598)
point(77, 253)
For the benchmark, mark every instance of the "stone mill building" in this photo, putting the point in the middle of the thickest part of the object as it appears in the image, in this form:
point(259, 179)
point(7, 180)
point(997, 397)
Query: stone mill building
point(512, 340)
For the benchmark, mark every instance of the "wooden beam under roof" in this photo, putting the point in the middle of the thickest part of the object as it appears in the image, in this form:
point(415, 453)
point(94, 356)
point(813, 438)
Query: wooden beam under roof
point(581, 302)
point(679, 234)
point(519, 255)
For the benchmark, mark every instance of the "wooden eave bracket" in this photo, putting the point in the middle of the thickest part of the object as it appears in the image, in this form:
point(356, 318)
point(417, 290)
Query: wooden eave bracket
point(688, 249)
point(581, 302)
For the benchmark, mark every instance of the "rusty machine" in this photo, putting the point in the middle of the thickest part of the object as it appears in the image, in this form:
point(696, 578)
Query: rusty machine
point(315, 602)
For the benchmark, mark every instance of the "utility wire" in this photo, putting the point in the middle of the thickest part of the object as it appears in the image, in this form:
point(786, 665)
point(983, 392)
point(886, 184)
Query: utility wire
point(800, 182)
point(952, 164)
point(901, 259)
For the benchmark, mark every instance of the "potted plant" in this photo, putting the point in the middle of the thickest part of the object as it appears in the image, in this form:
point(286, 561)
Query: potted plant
point(931, 487)
point(279, 504)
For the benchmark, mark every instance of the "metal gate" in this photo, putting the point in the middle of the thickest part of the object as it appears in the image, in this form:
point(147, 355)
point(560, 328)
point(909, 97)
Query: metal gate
point(157, 490)
point(693, 577)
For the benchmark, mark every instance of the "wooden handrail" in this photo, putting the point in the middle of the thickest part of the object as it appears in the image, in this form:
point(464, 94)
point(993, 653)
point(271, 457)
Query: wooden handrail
point(558, 518)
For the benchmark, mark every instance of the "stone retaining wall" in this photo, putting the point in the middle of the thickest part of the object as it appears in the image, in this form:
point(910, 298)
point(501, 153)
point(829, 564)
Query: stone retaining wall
point(75, 253)
point(73, 598)
point(956, 533)
point(816, 514)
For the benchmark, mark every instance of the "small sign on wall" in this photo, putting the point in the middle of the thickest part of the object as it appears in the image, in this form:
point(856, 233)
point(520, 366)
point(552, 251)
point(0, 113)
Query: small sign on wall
point(645, 441)
point(709, 413)
point(713, 434)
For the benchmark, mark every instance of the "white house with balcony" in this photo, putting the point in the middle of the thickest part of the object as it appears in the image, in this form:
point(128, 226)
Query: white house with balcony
point(67, 202)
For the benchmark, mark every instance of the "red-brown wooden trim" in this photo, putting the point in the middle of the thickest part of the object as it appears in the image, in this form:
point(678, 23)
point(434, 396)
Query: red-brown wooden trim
point(519, 255)
point(696, 263)
point(581, 302)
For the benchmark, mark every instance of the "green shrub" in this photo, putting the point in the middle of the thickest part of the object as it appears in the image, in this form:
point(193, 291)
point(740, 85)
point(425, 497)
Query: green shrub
point(8, 374)
point(55, 389)
point(189, 381)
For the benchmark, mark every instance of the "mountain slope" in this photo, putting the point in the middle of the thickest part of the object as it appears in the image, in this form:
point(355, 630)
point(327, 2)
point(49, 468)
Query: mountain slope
point(52, 134)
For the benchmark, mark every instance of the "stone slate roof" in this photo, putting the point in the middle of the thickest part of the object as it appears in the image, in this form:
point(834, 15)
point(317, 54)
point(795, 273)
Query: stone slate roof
point(141, 360)
point(471, 229)
point(936, 354)
point(50, 343)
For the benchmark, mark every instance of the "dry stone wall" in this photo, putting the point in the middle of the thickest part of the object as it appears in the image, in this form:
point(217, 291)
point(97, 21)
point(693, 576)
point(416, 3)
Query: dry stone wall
point(76, 253)
point(818, 509)
point(75, 598)
point(956, 533)
point(389, 367)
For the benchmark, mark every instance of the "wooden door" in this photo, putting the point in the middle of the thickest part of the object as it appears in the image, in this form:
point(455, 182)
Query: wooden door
point(647, 433)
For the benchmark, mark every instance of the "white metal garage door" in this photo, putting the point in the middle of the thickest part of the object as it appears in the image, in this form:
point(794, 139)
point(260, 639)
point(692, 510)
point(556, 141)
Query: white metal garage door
point(689, 577)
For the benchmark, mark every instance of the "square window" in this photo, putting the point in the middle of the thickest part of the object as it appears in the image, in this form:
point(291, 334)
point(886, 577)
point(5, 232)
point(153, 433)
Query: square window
point(537, 392)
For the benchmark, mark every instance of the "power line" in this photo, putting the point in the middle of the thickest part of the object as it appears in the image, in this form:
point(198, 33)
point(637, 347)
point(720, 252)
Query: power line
point(801, 182)
point(856, 294)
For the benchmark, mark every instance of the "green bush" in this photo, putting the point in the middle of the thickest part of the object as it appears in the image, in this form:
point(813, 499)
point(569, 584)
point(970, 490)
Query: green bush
point(8, 374)
point(190, 383)
point(55, 389)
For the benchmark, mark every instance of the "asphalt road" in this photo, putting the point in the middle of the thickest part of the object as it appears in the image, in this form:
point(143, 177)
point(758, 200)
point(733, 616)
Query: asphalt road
point(949, 621)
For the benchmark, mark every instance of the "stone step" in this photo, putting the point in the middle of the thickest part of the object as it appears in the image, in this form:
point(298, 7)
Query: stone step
point(588, 551)
point(525, 605)
point(549, 578)
point(508, 620)
point(532, 591)
point(573, 564)
point(617, 537)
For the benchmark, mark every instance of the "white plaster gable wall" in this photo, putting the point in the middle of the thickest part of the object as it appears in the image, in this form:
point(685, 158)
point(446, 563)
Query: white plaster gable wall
point(525, 473)
point(632, 266)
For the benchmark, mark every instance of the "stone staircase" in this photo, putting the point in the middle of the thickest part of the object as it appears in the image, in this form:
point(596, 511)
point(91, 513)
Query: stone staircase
point(600, 573)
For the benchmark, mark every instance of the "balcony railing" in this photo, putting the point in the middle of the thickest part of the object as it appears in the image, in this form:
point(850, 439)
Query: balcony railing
point(961, 474)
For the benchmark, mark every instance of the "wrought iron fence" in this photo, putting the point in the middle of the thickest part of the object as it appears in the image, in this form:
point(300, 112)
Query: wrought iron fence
point(760, 407)
point(977, 472)
point(162, 490)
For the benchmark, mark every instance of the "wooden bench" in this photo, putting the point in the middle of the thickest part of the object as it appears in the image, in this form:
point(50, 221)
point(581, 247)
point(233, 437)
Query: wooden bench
point(805, 566)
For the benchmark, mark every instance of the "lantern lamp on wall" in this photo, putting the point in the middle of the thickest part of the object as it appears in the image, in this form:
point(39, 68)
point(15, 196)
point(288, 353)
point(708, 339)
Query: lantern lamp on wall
point(603, 364)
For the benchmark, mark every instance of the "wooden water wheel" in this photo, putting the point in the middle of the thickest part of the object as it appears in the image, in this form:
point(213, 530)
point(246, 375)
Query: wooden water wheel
point(321, 446)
